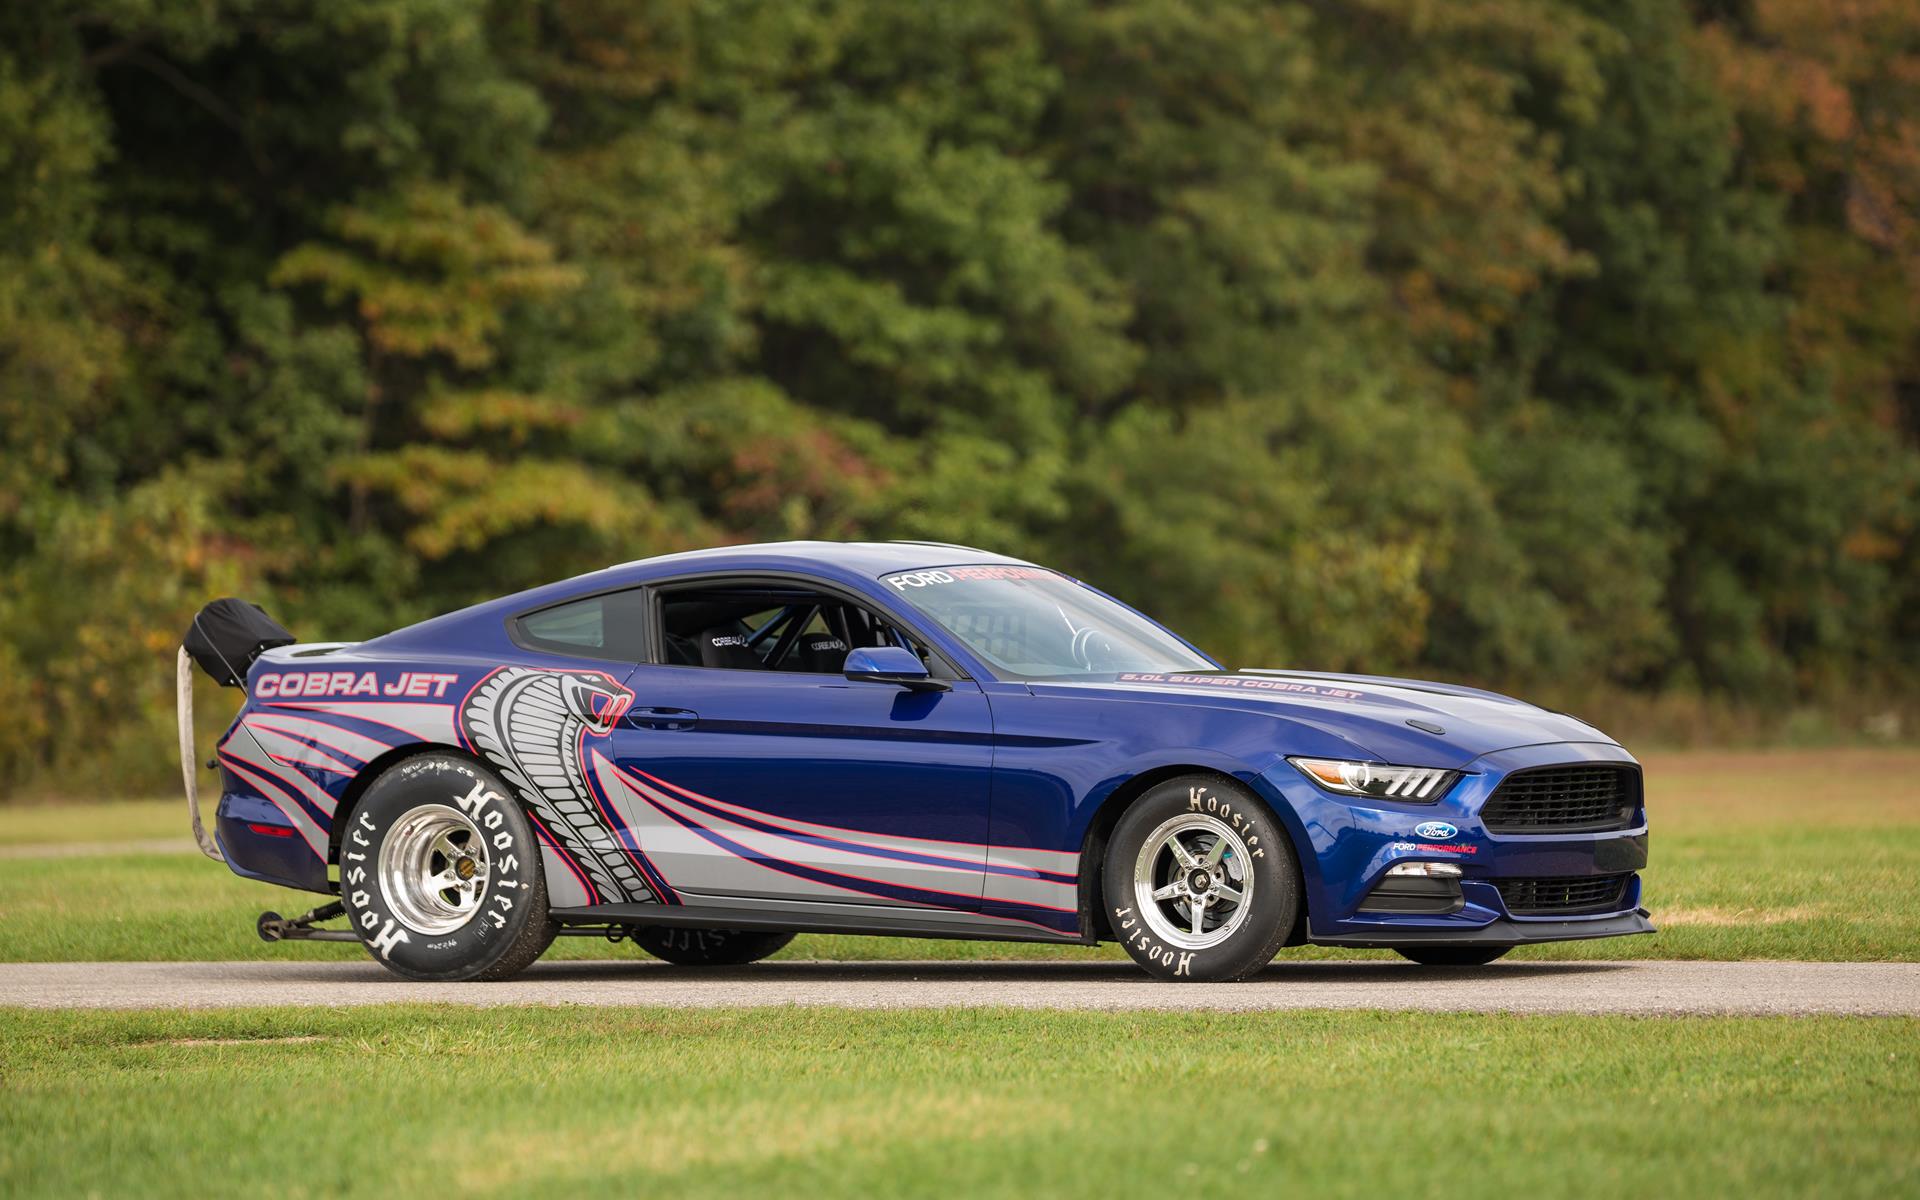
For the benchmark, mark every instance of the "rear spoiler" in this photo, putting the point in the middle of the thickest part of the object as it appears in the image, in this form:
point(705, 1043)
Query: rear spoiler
point(225, 638)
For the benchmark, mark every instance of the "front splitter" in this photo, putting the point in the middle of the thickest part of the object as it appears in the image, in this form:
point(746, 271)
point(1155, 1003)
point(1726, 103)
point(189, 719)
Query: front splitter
point(1503, 932)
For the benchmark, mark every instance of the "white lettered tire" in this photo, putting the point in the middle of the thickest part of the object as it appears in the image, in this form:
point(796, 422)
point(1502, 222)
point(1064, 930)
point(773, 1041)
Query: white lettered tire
point(1200, 882)
point(440, 873)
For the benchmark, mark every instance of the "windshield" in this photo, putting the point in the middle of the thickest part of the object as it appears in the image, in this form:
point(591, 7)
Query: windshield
point(1030, 623)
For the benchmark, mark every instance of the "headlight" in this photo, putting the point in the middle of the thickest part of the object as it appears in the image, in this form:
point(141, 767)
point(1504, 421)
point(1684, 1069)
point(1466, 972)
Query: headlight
point(1410, 785)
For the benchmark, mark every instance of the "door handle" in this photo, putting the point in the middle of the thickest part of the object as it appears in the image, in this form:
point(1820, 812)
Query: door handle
point(662, 718)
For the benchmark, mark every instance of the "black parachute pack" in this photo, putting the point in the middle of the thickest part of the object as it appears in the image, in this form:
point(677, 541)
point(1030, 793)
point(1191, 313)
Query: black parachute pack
point(228, 634)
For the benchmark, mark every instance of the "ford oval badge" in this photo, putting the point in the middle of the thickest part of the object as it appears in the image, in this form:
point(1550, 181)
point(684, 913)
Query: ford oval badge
point(1435, 831)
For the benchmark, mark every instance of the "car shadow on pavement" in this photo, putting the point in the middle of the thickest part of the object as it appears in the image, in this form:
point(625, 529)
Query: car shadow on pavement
point(1291, 973)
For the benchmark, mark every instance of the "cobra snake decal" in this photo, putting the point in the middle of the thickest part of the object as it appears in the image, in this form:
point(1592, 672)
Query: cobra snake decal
point(530, 724)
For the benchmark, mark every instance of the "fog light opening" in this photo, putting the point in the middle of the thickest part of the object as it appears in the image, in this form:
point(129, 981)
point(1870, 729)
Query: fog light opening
point(1430, 870)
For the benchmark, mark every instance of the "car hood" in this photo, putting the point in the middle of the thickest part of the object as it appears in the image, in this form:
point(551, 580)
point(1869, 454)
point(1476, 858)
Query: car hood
point(1374, 713)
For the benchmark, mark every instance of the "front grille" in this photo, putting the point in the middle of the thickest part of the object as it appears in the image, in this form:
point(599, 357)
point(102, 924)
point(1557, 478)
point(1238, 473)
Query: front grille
point(1583, 799)
point(1564, 893)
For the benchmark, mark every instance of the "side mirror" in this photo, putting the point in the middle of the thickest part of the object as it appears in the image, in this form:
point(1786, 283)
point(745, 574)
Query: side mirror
point(890, 664)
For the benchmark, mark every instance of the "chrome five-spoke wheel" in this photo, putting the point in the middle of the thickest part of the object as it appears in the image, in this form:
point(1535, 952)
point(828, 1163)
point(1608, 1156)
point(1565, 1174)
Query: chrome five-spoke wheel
point(1191, 881)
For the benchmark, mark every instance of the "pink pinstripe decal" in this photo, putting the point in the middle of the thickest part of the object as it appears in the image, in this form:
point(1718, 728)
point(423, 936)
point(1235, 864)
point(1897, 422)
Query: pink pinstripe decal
point(253, 721)
point(748, 837)
point(299, 820)
point(310, 755)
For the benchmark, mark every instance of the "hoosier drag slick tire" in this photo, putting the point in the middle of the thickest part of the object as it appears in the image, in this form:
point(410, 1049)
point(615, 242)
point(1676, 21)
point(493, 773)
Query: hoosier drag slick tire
point(1451, 956)
point(709, 947)
point(440, 873)
point(1200, 882)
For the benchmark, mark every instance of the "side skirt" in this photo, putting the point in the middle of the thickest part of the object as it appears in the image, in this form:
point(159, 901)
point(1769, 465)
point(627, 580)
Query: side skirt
point(857, 920)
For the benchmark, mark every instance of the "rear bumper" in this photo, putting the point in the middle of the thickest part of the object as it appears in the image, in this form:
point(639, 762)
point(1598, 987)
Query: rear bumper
point(259, 844)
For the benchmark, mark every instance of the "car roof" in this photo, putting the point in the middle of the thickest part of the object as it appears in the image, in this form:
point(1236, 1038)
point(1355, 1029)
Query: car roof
point(851, 562)
point(869, 559)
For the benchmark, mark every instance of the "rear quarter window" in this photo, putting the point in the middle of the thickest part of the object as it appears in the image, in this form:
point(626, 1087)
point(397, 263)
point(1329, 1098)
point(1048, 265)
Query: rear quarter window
point(609, 627)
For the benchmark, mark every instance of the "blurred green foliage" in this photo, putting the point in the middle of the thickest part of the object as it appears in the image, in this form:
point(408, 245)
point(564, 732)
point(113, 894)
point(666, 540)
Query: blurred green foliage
point(1561, 343)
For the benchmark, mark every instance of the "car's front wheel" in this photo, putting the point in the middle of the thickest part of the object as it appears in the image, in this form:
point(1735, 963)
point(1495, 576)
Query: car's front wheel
point(1451, 956)
point(1200, 883)
point(709, 947)
point(440, 873)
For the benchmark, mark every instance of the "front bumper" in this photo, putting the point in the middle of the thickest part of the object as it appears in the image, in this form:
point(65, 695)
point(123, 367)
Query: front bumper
point(1347, 849)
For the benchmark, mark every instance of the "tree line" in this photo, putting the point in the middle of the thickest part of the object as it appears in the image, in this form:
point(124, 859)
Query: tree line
point(1567, 343)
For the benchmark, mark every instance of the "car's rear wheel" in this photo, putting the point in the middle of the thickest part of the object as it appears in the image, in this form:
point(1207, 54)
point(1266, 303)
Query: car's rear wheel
point(1200, 883)
point(709, 947)
point(1451, 956)
point(440, 873)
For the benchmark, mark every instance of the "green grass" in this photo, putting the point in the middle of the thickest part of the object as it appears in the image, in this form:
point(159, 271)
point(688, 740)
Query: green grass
point(105, 821)
point(935, 1103)
point(1798, 855)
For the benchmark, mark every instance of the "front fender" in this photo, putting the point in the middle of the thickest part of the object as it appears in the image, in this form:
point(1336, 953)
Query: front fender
point(1060, 760)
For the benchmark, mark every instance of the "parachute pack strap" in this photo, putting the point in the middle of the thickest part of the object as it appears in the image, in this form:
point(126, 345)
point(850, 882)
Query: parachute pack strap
point(183, 700)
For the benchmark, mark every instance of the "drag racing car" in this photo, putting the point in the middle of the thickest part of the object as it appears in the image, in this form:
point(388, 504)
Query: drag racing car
point(709, 752)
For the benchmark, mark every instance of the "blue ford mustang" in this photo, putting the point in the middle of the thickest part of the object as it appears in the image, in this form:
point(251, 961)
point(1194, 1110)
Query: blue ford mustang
point(708, 752)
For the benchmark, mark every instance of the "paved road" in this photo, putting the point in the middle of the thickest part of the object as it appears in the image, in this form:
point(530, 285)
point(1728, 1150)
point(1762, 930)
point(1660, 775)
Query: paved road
point(1649, 988)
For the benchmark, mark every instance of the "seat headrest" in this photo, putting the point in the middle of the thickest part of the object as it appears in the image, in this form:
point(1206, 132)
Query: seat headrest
point(726, 646)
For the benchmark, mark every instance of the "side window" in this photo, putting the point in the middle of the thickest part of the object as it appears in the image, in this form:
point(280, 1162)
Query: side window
point(770, 627)
point(612, 626)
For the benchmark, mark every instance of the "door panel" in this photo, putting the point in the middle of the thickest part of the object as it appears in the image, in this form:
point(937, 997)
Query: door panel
point(744, 783)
